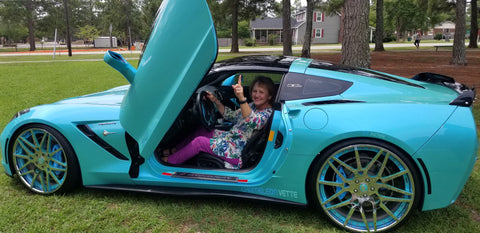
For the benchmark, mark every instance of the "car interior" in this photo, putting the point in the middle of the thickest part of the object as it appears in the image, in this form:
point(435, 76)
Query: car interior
point(200, 111)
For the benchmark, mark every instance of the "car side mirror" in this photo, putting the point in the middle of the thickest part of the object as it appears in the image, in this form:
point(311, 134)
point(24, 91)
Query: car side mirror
point(229, 81)
point(119, 63)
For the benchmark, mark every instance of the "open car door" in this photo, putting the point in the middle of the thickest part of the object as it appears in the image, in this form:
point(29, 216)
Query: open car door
point(179, 52)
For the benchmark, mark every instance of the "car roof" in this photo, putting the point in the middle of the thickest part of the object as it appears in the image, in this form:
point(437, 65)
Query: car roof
point(256, 62)
point(253, 63)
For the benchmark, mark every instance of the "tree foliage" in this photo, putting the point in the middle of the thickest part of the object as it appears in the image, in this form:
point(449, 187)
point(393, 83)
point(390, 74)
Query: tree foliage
point(149, 10)
point(244, 10)
point(39, 20)
point(405, 16)
point(402, 16)
point(20, 14)
point(87, 33)
point(48, 15)
point(12, 27)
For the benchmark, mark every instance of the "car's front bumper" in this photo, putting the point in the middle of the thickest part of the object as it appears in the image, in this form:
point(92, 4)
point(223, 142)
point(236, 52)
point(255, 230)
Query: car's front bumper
point(4, 152)
point(6, 135)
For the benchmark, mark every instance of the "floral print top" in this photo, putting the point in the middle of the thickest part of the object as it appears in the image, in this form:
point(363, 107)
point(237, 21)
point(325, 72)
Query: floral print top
point(228, 145)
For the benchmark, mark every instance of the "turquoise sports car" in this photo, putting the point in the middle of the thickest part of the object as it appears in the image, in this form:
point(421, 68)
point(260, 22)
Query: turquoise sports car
point(365, 147)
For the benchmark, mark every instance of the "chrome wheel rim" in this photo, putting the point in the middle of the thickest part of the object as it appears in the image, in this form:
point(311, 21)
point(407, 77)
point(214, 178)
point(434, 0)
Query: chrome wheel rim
point(40, 160)
point(365, 188)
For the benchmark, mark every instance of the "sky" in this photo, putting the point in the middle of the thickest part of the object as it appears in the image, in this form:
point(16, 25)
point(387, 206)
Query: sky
point(304, 2)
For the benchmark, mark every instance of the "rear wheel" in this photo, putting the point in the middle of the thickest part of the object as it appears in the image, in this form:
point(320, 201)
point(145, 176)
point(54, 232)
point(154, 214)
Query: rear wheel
point(364, 185)
point(44, 160)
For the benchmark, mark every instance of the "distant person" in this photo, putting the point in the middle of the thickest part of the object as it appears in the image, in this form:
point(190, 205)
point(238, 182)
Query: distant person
point(417, 38)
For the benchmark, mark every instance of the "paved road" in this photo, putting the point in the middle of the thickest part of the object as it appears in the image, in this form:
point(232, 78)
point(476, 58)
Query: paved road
point(61, 51)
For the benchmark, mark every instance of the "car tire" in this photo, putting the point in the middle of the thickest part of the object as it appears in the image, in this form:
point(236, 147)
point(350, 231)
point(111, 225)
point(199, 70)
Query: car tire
point(364, 185)
point(44, 160)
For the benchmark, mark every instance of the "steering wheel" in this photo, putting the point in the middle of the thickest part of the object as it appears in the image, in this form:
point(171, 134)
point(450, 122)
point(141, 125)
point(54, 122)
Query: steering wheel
point(204, 108)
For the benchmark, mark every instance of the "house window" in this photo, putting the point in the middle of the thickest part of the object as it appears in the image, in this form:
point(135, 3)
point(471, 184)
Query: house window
point(318, 16)
point(318, 33)
point(300, 17)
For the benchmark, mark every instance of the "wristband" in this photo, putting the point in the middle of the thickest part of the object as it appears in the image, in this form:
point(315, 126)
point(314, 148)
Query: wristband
point(243, 102)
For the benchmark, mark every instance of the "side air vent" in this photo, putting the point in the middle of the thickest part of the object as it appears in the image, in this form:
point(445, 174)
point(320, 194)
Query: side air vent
point(325, 102)
point(95, 138)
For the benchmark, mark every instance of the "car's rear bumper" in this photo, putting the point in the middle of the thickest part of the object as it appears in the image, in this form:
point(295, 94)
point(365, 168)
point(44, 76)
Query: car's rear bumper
point(447, 159)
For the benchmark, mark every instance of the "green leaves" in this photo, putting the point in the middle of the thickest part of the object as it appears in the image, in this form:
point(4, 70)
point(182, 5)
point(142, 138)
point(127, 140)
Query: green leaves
point(87, 33)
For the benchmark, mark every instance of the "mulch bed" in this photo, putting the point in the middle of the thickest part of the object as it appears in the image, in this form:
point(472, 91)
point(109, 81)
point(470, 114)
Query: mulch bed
point(409, 63)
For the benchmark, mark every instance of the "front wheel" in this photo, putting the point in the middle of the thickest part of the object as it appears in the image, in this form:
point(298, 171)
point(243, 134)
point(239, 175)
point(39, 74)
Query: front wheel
point(364, 185)
point(44, 160)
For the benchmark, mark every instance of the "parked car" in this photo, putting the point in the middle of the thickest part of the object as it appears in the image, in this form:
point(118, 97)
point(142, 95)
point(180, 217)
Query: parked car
point(365, 147)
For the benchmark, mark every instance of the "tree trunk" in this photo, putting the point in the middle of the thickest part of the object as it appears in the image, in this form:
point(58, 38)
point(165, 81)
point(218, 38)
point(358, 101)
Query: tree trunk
point(31, 33)
point(397, 29)
point(474, 25)
point(458, 54)
point(69, 38)
point(355, 48)
point(307, 40)
point(129, 34)
point(234, 8)
point(379, 27)
point(287, 28)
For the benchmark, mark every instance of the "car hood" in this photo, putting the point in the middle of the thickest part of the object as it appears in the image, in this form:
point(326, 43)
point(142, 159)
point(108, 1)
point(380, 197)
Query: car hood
point(111, 97)
point(179, 52)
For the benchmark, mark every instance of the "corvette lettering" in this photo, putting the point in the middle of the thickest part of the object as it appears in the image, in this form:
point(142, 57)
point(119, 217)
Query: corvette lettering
point(271, 192)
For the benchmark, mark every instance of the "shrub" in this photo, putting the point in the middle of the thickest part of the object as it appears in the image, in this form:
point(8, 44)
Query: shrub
point(389, 38)
point(244, 29)
point(224, 34)
point(272, 39)
point(250, 42)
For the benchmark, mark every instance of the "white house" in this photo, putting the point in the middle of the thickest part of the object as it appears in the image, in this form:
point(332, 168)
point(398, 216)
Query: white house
point(326, 28)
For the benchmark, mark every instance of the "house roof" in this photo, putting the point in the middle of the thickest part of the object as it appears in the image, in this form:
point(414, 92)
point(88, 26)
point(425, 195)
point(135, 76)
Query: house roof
point(445, 25)
point(304, 9)
point(271, 23)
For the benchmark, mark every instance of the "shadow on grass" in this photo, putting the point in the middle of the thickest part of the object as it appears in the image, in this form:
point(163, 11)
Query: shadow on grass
point(212, 214)
point(237, 208)
point(200, 213)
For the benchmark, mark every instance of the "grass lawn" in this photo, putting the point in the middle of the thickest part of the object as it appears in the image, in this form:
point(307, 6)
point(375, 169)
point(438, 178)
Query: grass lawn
point(36, 82)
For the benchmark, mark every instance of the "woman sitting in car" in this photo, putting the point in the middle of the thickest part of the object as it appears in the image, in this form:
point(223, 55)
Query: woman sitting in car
point(228, 145)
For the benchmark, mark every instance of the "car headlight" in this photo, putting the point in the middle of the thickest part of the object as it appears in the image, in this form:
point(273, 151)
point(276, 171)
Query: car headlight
point(20, 113)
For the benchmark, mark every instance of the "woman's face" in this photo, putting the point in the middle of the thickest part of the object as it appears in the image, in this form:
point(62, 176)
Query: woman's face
point(260, 96)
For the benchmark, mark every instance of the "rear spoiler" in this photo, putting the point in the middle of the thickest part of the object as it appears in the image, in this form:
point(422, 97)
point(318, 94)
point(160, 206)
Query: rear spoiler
point(466, 95)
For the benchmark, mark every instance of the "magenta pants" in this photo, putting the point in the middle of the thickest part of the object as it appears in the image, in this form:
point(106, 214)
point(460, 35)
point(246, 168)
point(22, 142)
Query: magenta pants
point(195, 143)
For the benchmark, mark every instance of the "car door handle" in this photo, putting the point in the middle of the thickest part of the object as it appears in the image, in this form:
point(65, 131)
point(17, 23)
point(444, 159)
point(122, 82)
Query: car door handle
point(278, 140)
